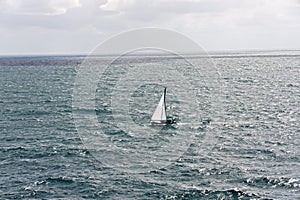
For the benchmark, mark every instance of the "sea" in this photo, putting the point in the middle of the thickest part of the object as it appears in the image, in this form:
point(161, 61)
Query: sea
point(77, 126)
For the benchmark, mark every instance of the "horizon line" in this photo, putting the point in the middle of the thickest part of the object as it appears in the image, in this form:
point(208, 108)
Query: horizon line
point(233, 51)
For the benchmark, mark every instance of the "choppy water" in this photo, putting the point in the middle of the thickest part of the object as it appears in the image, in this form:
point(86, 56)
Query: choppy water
point(241, 142)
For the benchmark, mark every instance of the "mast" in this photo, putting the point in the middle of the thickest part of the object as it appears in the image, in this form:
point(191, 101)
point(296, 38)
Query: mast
point(165, 93)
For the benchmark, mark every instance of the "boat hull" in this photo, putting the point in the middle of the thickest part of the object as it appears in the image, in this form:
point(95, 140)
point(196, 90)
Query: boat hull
point(162, 123)
point(158, 123)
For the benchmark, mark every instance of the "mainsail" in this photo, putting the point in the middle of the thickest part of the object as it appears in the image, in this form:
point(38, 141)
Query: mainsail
point(160, 113)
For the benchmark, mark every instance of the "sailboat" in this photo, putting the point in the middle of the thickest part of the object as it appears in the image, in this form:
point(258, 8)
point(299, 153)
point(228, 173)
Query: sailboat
point(160, 116)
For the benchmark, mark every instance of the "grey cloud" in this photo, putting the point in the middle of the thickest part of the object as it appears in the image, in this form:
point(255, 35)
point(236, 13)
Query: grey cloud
point(77, 17)
point(40, 7)
point(217, 24)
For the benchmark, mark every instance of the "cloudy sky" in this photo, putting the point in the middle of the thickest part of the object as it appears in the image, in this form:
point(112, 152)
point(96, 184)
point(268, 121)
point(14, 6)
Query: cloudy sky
point(77, 26)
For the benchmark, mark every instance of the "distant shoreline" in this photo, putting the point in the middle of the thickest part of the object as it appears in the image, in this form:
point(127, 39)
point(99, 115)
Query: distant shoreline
point(213, 54)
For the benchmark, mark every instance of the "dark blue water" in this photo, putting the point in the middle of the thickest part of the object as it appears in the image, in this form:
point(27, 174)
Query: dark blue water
point(246, 147)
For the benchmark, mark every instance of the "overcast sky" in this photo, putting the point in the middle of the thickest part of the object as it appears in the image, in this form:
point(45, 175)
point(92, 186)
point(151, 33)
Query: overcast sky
point(77, 26)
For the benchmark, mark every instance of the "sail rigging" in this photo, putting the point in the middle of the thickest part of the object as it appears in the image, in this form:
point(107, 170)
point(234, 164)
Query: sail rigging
point(160, 113)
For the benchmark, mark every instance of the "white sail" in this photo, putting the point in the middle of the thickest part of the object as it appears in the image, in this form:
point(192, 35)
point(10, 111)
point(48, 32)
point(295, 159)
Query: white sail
point(160, 114)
